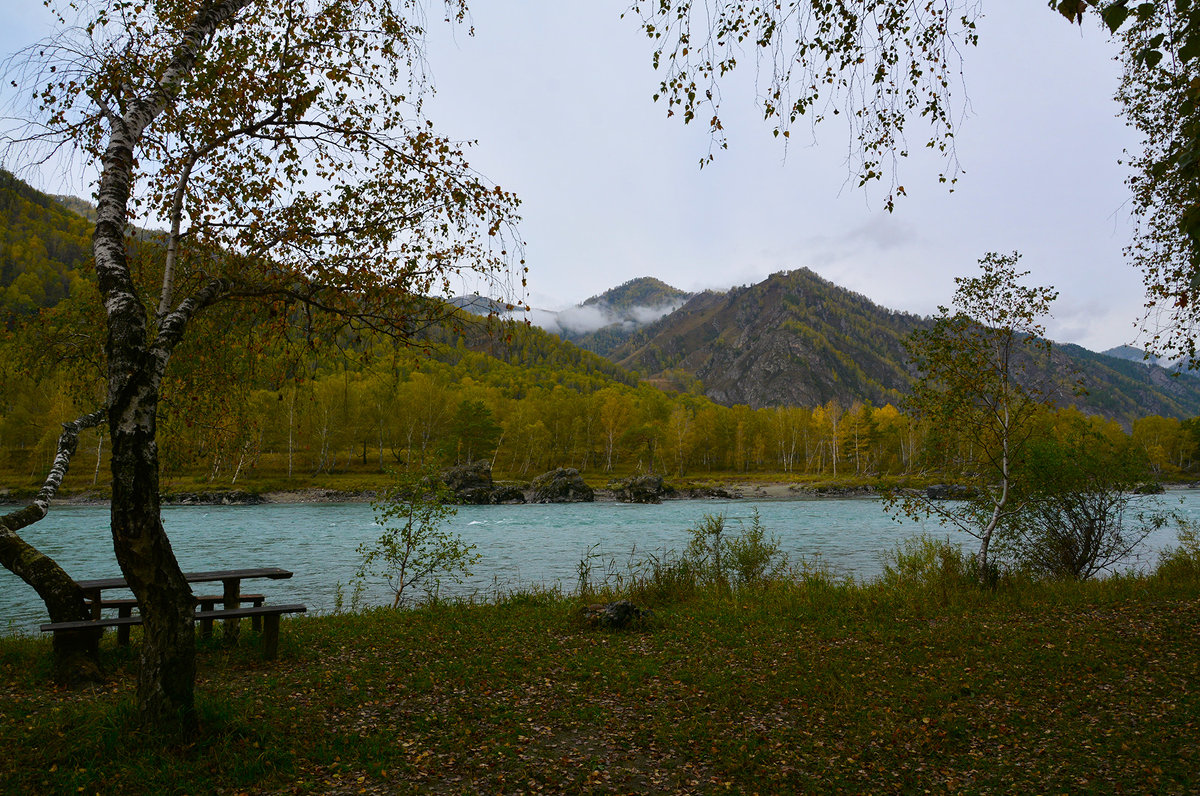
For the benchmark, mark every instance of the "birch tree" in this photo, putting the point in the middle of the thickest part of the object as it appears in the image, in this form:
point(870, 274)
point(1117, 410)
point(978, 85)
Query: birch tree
point(979, 376)
point(283, 147)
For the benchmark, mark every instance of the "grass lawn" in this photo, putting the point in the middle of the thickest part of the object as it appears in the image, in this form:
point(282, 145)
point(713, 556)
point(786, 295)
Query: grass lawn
point(802, 685)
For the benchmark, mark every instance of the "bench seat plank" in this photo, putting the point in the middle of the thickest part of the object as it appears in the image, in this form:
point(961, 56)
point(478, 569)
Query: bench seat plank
point(269, 613)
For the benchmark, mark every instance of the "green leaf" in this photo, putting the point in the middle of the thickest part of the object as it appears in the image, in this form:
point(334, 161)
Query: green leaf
point(1114, 16)
point(1190, 48)
point(1150, 58)
point(1072, 9)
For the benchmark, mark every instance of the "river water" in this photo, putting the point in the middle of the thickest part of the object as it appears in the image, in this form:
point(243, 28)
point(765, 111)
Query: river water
point(519, 546)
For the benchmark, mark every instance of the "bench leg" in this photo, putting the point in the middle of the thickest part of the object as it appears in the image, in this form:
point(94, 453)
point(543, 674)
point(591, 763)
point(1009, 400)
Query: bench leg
point(231, 591)
point(256, 621)
point(270, 636)
point(206, 625)
point(123, 630)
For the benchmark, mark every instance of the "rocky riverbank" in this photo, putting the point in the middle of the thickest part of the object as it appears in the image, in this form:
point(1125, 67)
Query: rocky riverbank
point(561, 486)
point(642, 489)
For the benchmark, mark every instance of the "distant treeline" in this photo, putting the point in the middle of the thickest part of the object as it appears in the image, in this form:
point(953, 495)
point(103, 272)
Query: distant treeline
point(529, 404)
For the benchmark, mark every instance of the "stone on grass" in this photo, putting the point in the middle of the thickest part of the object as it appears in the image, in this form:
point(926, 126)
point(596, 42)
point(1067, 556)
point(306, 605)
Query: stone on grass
point(615, 615)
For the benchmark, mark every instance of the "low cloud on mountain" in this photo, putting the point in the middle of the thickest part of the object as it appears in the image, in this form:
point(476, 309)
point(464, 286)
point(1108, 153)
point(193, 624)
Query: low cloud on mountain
point(584, 319)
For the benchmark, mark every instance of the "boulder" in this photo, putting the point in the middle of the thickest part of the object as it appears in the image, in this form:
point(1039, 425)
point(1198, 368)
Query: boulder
point(614, 615)
point(472, 485)
point(506, 493)
point(231, 498)
point(716, 492)
point(641, 489)
point(838, 490)
point(464, 477)
point(950, 492)
point(474, 496)
point(562, 485)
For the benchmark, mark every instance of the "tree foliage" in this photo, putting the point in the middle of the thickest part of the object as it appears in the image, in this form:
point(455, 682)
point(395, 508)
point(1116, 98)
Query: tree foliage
point(1082, 515)
point(1160, 98)
point(413, 550)
point(1160, 95)
point(874, 63)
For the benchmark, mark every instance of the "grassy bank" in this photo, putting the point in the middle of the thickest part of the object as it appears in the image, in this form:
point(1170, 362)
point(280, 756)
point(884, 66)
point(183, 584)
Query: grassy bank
point(922, 680)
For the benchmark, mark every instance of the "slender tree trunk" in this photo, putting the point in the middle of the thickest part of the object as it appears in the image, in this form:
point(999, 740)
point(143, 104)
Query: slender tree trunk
point(291, 426)
point(76, 655)
point(167, 675)
point(99, 451)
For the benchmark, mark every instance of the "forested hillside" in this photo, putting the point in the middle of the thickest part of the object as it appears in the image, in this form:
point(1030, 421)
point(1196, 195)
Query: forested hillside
point(43, 248)
point(792, 340)
point(602, 323)
point(642, 293)
point(252, 397)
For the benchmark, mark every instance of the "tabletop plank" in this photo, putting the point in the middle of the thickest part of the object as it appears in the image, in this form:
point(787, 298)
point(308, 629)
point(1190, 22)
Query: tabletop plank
point(273, 573)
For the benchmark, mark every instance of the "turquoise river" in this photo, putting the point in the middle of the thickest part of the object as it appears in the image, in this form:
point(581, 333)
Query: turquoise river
point(519, 546)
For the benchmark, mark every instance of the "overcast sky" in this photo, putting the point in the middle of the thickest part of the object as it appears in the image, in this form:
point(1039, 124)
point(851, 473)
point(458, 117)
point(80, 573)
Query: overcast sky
point(558, 95)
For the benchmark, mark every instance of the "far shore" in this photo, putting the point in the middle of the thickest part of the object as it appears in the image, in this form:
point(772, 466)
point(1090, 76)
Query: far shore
point(748, 490)
point(742, 490)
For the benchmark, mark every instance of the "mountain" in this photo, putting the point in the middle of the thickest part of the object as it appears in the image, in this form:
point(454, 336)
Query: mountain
point(1123, 389)
point(604, 322)
point(1138, 355)
point(796, 339)
point(637, 296)
point(1131, 354)
point(792, 340)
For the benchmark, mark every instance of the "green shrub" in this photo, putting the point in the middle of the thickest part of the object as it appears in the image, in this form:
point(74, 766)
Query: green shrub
point(1181, 563)
point(413, 551)
point(746, 559)
point(926, 563)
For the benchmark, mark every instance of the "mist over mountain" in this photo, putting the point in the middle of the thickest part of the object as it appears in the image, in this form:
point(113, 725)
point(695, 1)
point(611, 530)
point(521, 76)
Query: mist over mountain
point(603, 322)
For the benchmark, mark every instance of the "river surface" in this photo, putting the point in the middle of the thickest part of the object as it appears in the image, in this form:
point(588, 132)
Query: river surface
point(519, 546)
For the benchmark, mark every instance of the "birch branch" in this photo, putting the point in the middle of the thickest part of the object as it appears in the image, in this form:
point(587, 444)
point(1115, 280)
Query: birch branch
point(68, 441)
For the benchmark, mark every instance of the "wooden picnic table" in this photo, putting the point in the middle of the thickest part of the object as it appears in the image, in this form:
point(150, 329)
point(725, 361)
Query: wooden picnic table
point(231, 596)
point(231, 599)
point(231, 580)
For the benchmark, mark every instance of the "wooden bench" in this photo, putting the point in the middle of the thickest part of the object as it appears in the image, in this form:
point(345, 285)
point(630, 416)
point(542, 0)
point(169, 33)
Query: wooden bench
point(269, 614)
point(206, 602)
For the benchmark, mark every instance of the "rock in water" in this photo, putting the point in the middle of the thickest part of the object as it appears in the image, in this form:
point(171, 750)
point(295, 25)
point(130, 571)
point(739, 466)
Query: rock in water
point(641, 489)
point(563, 485)
point(472, 484)
point(463, 477)
point(950, 492)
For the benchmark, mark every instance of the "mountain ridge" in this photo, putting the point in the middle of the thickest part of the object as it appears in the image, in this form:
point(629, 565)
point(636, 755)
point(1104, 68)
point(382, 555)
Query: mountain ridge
point(798, 339)
point(794, 339)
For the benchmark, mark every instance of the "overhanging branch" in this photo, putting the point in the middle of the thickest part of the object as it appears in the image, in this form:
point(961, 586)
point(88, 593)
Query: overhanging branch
point(67, 442)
